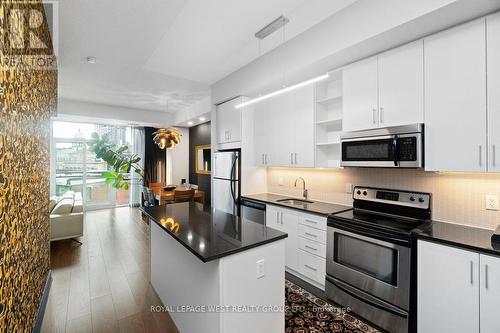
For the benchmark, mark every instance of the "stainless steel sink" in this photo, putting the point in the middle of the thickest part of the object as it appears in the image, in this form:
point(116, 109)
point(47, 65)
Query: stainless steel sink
point(295, 202)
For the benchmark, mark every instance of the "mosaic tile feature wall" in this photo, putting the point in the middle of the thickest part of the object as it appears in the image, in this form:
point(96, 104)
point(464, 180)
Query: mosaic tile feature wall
point(27, 99)
point(457, 197)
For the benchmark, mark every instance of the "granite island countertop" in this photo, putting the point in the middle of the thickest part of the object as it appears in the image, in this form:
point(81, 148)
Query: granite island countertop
point(316, 207)
point(210, 234)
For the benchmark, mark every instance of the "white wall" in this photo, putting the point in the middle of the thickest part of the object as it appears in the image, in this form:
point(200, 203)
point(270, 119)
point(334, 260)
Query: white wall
point(73, 110)
point(362, 29)
point(178, 159)
point(200, 108)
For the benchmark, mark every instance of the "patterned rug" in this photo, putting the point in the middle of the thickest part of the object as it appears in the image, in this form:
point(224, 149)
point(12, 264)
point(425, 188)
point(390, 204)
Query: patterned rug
point(306, 313)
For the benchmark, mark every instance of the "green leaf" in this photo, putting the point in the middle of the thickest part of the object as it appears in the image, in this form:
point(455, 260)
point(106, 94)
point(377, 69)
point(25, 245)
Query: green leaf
point(124, 186)
point(122, 149)
point(107, 174)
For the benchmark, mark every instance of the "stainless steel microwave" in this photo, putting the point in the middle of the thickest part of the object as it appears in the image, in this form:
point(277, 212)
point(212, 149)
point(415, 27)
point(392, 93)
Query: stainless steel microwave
point(391, 147)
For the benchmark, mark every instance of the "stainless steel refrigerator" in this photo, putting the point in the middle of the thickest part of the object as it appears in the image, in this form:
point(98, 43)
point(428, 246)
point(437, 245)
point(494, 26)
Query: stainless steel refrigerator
point(226, 181)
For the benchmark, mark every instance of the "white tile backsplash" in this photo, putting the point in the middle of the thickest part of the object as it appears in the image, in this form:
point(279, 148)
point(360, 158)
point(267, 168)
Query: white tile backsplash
point(456, 197)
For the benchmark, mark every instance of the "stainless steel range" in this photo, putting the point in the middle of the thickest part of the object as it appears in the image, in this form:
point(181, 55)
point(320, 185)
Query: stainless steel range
point(369, 254)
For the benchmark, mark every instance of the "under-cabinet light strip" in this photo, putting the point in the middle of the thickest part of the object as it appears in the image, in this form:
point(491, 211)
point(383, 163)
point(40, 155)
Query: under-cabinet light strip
point(283, 90)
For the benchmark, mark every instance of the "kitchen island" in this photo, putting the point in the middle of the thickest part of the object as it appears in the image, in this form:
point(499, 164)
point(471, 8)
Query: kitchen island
point(215, 272)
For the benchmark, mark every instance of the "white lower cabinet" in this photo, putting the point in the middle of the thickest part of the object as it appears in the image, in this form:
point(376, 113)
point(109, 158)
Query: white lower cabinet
point(285, 220)
point(312, 266)
point(489, 317)
point(457, 290)
point(306, 242)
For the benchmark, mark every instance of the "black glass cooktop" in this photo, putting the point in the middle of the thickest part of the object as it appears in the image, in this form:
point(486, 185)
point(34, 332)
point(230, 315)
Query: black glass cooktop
point(386, 223)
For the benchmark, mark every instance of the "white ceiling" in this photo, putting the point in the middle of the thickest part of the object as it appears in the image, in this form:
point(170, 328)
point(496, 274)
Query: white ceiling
point(154, 51)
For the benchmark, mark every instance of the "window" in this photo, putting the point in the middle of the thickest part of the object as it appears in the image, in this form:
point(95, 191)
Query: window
point(75, 168)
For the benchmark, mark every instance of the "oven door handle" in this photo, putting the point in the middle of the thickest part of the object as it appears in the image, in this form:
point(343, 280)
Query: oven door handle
point(371, 301)
point(368, 233)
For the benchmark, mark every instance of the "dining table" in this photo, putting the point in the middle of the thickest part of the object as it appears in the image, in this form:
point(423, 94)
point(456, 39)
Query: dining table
point(164, 196)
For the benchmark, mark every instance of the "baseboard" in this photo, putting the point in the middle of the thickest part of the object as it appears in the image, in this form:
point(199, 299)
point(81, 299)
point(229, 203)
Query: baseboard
point(43, 304)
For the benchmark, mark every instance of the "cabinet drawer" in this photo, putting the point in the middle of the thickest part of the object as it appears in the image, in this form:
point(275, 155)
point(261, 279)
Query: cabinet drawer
point(312, 247)
point(312, 266)
point(312, 233)
point(313, 221)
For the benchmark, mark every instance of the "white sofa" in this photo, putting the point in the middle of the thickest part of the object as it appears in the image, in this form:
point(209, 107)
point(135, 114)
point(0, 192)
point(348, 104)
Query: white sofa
point(66, 216)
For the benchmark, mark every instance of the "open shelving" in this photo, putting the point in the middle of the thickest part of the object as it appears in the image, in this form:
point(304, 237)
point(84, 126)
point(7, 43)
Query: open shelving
point(328, 118)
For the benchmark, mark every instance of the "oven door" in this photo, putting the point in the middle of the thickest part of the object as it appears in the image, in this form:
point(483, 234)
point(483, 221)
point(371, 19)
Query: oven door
point(379, 268)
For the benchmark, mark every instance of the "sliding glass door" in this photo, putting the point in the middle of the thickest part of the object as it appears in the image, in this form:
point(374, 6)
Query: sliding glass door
point(75, 168)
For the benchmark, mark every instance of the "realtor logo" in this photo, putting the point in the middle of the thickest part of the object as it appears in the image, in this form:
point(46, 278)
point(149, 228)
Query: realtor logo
point(28, 34)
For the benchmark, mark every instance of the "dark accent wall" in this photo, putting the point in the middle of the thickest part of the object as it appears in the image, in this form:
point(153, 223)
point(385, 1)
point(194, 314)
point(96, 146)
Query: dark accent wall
point(199, 135)
point(28, 98)
point(155, 162)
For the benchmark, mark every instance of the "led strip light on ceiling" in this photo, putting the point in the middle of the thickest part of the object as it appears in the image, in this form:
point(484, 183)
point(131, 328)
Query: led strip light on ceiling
point(282, 91)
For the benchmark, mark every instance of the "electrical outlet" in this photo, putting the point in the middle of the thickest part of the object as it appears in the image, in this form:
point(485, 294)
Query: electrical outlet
point(260, 269)
point(491, 202)
point(348, 188)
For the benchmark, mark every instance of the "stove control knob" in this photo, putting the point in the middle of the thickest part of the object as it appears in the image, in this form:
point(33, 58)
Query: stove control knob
point(421, 199)
point(412, 198)
point(365, 193)
point(358, 192)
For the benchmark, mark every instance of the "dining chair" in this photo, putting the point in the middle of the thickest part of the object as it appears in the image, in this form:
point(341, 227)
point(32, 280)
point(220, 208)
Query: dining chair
point(149, 197)
point(181, 195)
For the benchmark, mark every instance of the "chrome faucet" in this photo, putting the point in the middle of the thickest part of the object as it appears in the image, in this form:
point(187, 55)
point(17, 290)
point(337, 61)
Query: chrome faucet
point(304, 191)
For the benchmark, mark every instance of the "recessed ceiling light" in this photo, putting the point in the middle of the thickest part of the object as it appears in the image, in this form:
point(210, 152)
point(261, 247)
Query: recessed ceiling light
point(190, 123)
point(202, 118)
point(91, 59)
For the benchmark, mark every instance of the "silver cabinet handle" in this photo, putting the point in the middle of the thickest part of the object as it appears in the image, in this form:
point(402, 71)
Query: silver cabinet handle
point(265, 158)
point(295, 158)
point(374, 116)
point(229, 135)
point(311, 268)
point(493, 155)
point(262, 158)
point(486, 276)
point(480, 155)
point(312, 235)
point(471, 272)
point(291, 158)
point(281, 218)
point(310, 247)
point(277, 217)
point(381, 115)
point(311, 221)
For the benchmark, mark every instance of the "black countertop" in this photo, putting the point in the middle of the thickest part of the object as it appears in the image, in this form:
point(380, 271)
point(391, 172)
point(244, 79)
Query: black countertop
point(462, 236)
point(317, 207)
point(209, 233)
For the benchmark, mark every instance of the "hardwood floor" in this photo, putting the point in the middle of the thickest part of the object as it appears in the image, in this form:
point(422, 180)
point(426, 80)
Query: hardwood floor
point(103, 285)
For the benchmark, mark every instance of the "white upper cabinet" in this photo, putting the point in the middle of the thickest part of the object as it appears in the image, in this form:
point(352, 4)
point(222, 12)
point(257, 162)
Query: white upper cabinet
point(229, 121)
point(385, 90)
point(360, 96)
point(455, 99)
point(284, 129)
point(401, 85)
point(493, 56)
point(304, 127)
point(262, 113)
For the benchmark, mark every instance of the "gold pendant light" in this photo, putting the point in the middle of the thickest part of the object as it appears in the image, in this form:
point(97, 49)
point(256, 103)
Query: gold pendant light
point(167, 137)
